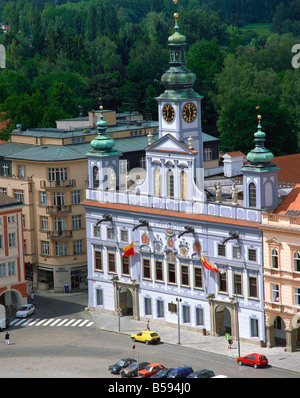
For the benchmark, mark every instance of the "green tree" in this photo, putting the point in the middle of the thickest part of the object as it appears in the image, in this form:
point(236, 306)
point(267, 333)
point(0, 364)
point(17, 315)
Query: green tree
point(238, 123)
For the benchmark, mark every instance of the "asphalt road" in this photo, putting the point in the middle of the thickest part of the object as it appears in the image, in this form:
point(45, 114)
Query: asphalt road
point(86, 352)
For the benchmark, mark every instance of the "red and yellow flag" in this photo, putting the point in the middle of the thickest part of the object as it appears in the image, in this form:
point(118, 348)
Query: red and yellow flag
point(208, 265)
point(129, 250)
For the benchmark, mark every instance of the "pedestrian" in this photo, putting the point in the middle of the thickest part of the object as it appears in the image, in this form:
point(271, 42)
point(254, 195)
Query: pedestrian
point(32, 297)
point(148, 325)
point(7, 338)
point(230, 342)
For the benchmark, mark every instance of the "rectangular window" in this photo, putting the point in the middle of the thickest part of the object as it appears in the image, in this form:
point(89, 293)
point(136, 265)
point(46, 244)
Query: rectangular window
point(43, 198)
point(160, 309)
point(3, 190)
point(254, 327)
point(110, 233)
point(111, 262)
point(77, 247)
point(11, 268)
point(253, 288)
point(148, 309)
point(146, 268)
point(76, 222)
point(223, 282)
point(159, 271)
point(125, 265)
point(99, 297)
point(184, 275)
point(98, 260)
point(236, 252)
point(12, 239)
point(221, 250)
point(252, 254)
point(171, 273)
point(75, 197)
point(199, 317)
point(124, 235)
point(198, 277)
point(21, 171)
point(57, 174)
point(2, 270)
point(1, 241)
point(58, 198)
point(237, 280)
point(61, 249)
point(186, 314)
point(97, 231)
point(207, 153)
point(45, 248)
point(44, 223)
point(296, 296)
point(19, 195)
point(59, 224)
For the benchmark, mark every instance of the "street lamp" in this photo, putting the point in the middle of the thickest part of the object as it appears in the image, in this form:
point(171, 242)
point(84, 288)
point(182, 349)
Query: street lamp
point(237, 317)
point(178, 313)
point(119, 309)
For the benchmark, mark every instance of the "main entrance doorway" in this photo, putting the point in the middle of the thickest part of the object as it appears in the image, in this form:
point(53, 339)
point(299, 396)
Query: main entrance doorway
point(126, 298)
point(223, 320)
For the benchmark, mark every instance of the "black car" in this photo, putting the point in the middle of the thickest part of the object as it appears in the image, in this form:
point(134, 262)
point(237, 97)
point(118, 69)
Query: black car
point(132, 369)
point(201, 374)
point(162, 374)
point(121, 364)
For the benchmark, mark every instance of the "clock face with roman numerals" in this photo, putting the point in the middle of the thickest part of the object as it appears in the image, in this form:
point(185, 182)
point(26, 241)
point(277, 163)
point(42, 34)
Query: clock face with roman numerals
point(168, 113)
point(189, 112)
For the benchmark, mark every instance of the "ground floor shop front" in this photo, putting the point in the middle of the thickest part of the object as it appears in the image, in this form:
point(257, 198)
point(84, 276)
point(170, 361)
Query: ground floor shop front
point(65, 278)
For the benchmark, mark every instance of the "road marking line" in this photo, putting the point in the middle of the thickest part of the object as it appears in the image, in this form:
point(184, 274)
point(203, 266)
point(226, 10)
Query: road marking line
point(83, 323)
point(20, 321)
point(69, 323)
point(40, 322)
point(26, 322)
point(55, 322)
point(48, 321)
point(62, 322)
point(34, 321)
point(89, 324)
point(14, 321)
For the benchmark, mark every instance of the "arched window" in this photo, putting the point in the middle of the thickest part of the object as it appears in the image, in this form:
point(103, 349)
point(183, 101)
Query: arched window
point(156, 182)
point(183, 183)
point(252, 195)
point(170, 184)
point(296, 261)
point(274, 258)
point(95, 177)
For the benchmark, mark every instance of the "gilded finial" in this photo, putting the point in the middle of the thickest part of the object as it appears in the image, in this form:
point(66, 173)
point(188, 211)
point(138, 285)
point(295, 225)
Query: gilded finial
point(176, 15)
point(175, 2)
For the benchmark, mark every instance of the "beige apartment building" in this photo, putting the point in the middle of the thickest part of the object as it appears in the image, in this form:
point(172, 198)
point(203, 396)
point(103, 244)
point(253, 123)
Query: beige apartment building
point(47, 170)
point(281, 248)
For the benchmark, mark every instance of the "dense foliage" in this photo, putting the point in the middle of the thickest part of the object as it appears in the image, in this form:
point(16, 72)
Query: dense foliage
point(62, 56)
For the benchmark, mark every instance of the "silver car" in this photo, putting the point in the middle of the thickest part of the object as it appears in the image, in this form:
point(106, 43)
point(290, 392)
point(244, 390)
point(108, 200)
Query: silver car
point(25, 311)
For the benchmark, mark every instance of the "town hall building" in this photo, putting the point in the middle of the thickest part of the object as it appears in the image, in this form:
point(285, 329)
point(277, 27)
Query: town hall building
point(175, 228)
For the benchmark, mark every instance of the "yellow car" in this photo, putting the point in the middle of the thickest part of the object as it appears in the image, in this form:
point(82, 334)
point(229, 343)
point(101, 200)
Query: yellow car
point(146, 337)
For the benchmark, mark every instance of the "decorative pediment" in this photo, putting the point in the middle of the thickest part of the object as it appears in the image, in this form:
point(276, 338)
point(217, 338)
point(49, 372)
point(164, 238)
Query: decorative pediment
point(169, 143)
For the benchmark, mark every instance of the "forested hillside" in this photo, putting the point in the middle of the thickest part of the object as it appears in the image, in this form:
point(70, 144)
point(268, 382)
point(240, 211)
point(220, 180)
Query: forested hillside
point(62, 56)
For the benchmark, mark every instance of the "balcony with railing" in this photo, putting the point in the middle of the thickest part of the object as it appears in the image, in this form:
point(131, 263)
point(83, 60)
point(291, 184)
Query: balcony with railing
point(58, 184)
point(58, 209)
point(59, 234)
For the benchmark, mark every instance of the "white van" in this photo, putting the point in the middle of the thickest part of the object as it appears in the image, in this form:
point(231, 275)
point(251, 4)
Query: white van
point(4, 323)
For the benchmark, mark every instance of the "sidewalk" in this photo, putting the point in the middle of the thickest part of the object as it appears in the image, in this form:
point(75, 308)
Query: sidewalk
point(277, 356)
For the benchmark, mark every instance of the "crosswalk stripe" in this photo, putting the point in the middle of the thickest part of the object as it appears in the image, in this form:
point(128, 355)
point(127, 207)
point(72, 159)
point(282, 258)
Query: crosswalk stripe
point(52, 322)
point(69, 323)
point(55, 322)
point(83, 323)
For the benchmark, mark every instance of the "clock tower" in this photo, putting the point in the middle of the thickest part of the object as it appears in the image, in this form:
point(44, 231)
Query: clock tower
point(179, 106)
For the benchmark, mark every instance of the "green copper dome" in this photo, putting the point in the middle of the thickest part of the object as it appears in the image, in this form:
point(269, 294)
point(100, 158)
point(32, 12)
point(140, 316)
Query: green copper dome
point(102, 144)
point(260, 157)
point(178, 80)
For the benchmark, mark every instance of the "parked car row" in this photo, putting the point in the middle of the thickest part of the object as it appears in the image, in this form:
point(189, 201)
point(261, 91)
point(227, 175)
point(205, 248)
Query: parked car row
point(129, 367)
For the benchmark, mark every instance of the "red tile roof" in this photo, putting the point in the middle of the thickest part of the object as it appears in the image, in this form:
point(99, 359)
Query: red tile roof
point(290, 202)
point(289, 168)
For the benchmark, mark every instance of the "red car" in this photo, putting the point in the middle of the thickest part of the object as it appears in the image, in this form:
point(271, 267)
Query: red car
point(255, 360)
point(151, 370)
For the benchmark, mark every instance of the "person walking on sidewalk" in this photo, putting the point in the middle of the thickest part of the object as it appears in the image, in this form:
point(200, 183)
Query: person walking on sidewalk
point(7, 338)
point(148, 325)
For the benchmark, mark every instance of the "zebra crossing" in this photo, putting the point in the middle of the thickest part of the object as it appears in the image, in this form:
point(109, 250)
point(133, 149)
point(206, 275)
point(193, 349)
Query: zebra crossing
point(58, 322)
